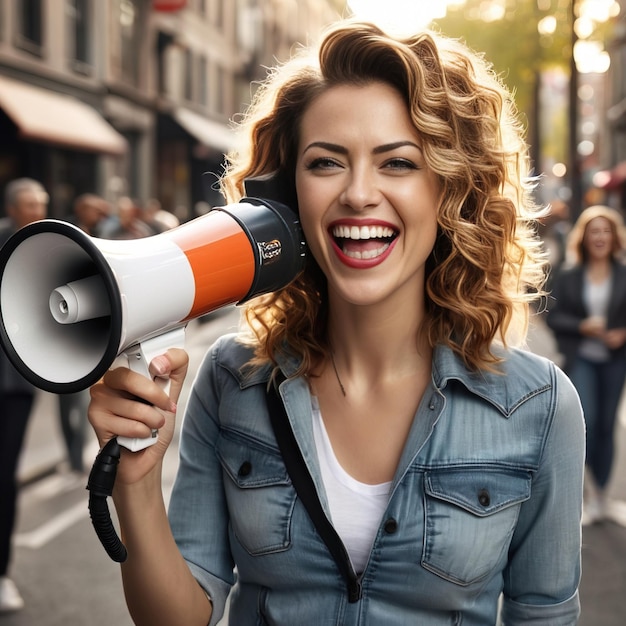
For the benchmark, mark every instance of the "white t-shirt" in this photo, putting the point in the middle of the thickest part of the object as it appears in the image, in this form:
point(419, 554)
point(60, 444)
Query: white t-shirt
point(596, 297)
point(356, 508)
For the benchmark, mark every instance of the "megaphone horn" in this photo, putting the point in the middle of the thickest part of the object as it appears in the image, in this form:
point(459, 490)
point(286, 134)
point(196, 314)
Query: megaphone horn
point(71, 303)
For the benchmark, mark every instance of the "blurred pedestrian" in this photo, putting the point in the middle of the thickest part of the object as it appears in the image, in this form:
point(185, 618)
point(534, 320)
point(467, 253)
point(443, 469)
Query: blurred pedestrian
point(73, 420)
point(588, 318)
point(130, 225)
point(90, 211)
point(158, 219)
point(26, 201)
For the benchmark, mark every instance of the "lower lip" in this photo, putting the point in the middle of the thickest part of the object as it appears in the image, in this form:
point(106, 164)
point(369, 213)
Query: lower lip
point(362, 264)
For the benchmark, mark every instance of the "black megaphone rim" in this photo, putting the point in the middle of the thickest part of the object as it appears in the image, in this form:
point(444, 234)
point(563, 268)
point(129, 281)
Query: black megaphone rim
point(111, 352)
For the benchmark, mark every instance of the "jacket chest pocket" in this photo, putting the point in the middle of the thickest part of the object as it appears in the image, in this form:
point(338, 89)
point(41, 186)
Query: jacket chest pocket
point(259, 495)
point(470, 516)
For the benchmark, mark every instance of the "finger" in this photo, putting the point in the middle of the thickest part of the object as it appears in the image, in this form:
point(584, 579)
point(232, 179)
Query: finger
point(135, 386)
point(113, 413)
point(172, 365)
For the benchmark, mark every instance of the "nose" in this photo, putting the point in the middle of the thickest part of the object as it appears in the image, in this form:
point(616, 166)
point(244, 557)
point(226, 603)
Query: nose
point(361, 191)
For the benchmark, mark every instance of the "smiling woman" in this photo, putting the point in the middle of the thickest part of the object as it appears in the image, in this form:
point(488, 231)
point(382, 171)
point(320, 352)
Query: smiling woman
point(370, 447)
point(588, 318)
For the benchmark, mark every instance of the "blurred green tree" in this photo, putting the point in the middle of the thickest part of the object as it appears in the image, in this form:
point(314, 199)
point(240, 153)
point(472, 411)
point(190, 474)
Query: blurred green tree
point(523, 39)
point(507, 32)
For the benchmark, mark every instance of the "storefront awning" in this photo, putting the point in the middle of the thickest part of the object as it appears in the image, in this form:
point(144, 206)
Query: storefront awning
point(46, 116)
point(209, 133)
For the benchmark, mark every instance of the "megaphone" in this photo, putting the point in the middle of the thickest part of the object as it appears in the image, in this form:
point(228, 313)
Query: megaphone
point(70, 304)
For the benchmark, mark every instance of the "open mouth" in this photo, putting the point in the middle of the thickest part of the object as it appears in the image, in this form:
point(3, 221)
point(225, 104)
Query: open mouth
point(363, 242)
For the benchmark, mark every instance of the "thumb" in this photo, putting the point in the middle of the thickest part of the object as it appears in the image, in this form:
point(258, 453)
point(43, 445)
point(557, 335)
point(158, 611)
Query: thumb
point(172, 365)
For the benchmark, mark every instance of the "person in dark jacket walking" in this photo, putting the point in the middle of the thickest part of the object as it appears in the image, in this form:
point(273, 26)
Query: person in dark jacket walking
point(588, 318)
point(26, 201)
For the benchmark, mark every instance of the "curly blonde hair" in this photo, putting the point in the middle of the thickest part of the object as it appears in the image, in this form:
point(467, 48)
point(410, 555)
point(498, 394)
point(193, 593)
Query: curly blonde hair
point(487, 263)
point(575, 253)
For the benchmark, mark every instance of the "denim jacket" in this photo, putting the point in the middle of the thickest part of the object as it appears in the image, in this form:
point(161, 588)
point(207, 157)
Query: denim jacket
point(486, 500)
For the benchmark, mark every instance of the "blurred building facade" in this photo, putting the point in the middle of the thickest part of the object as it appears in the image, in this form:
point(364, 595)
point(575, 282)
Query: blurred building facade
point(613, 178)
point(135, 97)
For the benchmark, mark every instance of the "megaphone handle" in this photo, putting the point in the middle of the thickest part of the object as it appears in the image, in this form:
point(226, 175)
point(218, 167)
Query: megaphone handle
point(139, 357)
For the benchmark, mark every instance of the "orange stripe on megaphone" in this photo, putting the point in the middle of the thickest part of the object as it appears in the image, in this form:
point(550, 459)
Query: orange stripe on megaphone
point(221, 259)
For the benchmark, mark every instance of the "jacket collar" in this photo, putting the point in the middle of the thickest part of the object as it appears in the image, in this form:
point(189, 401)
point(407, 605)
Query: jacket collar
point(518, 377)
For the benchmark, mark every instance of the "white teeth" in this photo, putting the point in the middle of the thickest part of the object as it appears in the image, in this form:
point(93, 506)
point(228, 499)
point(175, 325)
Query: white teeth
point(362, 232)
point(367, 254)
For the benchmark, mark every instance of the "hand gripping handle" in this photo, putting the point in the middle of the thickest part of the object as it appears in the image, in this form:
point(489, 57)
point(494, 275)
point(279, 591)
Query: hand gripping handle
point(138, 358)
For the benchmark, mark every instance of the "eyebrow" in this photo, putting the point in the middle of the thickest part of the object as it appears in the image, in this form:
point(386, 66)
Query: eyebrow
point(388, 147)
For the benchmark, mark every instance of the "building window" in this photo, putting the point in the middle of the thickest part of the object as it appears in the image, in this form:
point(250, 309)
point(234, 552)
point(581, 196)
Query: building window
point(173, 71)
point(129, 40)
point(188, 84)
point(203, 81)
point(29, 31)
point(221, 96)
point(219, 15)
point(79, 18)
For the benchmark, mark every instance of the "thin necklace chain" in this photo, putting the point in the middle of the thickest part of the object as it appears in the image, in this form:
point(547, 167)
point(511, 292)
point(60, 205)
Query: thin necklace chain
point(332, 358)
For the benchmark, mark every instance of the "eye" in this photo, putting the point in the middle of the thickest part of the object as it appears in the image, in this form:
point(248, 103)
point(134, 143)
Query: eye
point(400, 164)
point(322, 163)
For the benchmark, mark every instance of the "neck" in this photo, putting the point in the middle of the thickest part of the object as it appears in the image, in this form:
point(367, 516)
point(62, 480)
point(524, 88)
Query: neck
point(598, 270)
point(370, 349)
point(599, 265)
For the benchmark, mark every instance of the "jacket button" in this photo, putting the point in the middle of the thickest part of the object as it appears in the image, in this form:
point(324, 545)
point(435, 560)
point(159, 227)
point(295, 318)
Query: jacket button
point(484, 498)
point(245, 469)
point(391, 526)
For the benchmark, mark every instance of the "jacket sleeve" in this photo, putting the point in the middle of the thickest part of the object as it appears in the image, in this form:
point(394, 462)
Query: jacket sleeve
point(542, 578)
point(197, 510)
point(564, 315)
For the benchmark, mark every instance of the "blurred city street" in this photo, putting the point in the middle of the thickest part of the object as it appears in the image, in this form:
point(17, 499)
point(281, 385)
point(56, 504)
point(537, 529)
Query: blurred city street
point(61, 569)
point(126, 112)
point(67, 579)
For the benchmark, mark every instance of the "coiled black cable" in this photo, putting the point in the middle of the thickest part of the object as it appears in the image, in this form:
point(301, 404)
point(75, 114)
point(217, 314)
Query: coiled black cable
point(100, 486)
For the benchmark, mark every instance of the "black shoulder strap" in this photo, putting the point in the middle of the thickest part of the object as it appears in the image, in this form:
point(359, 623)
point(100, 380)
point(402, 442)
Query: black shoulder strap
point(305, 488)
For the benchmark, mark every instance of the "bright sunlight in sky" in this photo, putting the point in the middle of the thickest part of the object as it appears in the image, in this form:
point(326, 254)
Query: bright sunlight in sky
point(400, 16)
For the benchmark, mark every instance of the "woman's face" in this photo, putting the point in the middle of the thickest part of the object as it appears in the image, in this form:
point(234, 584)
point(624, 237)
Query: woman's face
point(598, 239)
point(368, 204)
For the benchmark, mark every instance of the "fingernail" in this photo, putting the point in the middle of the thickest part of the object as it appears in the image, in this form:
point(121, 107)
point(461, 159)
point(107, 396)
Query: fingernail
point(160, 365)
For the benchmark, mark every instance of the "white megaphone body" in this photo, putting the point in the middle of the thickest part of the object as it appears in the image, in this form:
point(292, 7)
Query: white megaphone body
point(70, 304)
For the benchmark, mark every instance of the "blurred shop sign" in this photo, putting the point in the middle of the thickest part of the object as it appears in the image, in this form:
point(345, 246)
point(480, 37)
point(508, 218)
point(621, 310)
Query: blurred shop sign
point(168, 5)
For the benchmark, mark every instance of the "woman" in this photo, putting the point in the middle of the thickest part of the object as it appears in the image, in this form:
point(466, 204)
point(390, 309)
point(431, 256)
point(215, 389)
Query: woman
point(588, 317)
point(446, 461)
